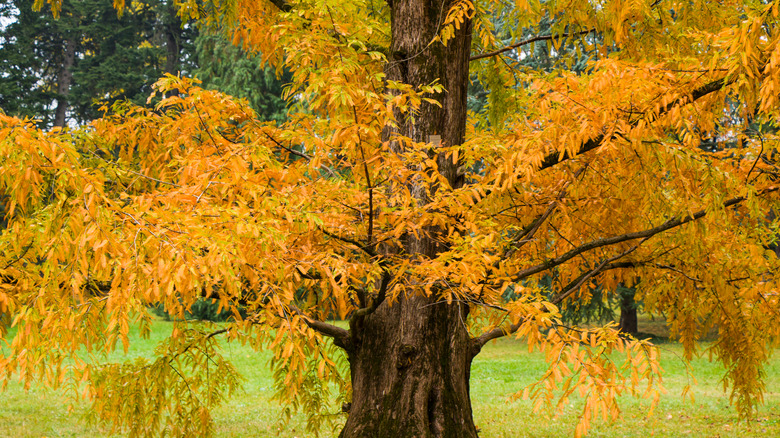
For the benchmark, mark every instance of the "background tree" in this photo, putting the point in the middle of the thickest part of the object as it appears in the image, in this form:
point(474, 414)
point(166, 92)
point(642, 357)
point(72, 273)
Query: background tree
point(231, 70)
point(65, 68)
point(117, 59)
point(379, 201)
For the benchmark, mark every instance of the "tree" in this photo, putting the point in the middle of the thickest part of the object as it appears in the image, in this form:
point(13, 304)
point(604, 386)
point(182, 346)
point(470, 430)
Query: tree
point(380, 201)
point(229, 69)
point(65, 69)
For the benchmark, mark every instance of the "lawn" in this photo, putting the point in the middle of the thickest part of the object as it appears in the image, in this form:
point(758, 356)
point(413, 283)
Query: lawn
point(503, 368)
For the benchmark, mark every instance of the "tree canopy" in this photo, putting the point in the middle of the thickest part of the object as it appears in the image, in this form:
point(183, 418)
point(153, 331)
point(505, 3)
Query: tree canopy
point(380, 200)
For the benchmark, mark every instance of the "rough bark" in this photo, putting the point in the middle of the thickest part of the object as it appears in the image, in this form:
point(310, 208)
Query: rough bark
point(410, 359)
point(64, 78)
point(410, 372)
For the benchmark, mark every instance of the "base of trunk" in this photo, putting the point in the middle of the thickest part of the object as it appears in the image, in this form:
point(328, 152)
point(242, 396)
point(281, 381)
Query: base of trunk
point(410, 365)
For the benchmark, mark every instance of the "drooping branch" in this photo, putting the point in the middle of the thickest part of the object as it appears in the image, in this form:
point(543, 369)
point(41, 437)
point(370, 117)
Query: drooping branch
point(339, 335)
point(607, 241)
point(526, 42)
point(607, 264)
point(555, 158)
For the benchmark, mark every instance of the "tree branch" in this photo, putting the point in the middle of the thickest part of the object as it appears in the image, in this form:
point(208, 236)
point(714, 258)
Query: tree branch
point(340, 336)
point(603, 266)
point(498, 332)
point(380, 297)
point(326, 329)
point(282, 5)
point(528, 232)
point(289, 150)
point(554, 158)
point(367, 250)
point(606, 241)
point(525, 42)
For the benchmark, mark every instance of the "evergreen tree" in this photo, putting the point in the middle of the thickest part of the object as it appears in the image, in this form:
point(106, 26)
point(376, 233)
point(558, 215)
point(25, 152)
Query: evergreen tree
point(62, 69)
point(231, 70)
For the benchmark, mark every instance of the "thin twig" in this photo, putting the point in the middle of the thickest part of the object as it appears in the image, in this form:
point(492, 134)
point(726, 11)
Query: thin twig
point(526, 42)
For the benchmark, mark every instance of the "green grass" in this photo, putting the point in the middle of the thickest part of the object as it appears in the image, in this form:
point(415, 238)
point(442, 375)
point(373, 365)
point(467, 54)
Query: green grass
point(503, 368)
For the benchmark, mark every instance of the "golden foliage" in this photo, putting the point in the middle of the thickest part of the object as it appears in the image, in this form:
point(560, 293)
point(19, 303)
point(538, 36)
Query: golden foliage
point(598, 176)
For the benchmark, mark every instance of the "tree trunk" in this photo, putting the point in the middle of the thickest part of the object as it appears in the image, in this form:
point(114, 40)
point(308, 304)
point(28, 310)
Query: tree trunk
point(173, 38)
point(172, 42)
point(628, 313)
point(410, 360)
point(64, 78)
point(410, 372)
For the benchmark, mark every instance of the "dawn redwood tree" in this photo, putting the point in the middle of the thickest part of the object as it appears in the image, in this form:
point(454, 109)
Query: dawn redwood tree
point(380, 200)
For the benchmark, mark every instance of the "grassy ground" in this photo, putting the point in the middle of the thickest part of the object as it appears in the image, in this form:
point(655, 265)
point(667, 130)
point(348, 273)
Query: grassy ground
point(503, 368)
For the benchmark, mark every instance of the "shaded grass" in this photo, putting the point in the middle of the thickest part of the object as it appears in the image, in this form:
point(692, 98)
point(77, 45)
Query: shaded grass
point(503, 368)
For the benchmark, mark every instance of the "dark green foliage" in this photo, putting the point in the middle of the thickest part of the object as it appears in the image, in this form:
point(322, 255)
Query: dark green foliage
point(116, 58)
point(119, 62)
point(231, 70)
point(26, 57)
point(203, 310)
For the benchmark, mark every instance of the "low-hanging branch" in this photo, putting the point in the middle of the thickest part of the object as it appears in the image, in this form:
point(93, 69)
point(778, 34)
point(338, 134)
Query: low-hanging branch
point(340, 336)
point(606, 265)
point(606, 241)
point(498, 332)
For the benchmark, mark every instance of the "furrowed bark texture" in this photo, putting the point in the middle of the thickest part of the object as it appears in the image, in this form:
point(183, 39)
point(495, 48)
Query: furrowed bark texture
point(410, 373)
point(410, 359)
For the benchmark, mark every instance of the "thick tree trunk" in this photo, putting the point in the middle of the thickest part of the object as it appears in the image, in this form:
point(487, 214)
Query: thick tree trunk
point(410, 360)
point(410, 372)
point(64, 78)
